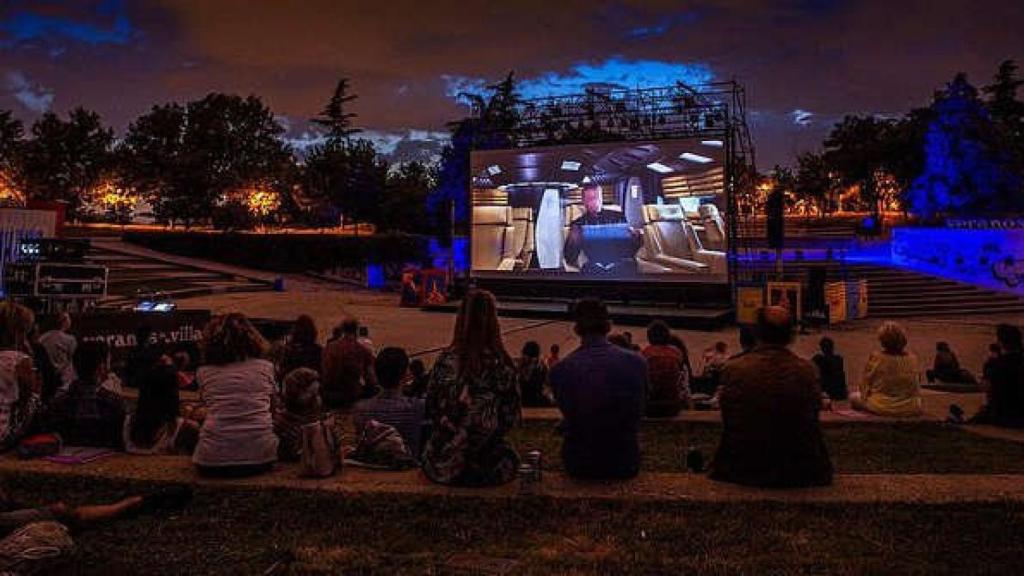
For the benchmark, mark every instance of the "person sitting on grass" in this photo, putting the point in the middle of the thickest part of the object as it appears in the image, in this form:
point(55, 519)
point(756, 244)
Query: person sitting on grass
point(473, 400)
point(831, 370)
point(301, 406)
point(890, 383)
point(553, 356)
point(946, 367)
point(20, 387)
point(60, 347)
point(668, 388)
point(157, 427)
point(347, 371)
point(770, 400)
point(1004, 405)
point(600, 390)
point(302, 350)
point(38, 540)
point(533, 376)
point(390, 406)
point(86, 414)
point(417, 380)
point(238, 392)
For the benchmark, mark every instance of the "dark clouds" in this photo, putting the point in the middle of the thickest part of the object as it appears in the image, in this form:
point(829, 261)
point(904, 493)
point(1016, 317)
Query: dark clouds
point(804, 62)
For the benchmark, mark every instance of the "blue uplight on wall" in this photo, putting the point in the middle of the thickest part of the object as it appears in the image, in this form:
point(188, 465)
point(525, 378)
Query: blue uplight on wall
point(375, 276)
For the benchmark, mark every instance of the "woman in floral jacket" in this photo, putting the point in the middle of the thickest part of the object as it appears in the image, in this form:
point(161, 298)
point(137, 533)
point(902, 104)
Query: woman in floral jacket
point(473, 400)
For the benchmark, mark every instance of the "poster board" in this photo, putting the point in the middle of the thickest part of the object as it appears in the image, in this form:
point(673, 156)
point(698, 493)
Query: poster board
point(748, 300)
point(835, 301)
point(787, 295)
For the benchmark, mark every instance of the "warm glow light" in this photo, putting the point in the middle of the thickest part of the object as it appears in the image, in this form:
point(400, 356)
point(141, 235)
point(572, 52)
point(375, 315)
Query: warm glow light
point(261, 202)
point(8, 193)
point(110, 196)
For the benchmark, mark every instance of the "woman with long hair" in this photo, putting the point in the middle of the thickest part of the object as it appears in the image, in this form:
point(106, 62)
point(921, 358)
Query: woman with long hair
point(302, 349)
point(238, 390)
point(473, 400)
point(157, 427)
point(19, 385)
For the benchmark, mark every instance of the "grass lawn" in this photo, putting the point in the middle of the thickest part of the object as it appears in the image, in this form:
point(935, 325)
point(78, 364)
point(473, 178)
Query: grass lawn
point(232, 531)
point(860, 448)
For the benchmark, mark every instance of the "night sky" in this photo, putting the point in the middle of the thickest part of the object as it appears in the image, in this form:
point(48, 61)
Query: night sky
point(804, 63)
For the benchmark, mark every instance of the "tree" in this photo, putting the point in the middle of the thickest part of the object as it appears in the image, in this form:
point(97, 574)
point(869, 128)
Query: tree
point(348, 178)
point(812, 183)
point(65, 160)
point(405, 198)
point(334, 117)
point(490, 128)
point(1007, 112)
point(187, 159)
point(966, 168)
point(11, 132)
point(856, 149)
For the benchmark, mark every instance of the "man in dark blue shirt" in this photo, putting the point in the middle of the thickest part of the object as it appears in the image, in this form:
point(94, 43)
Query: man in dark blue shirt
point(600, 390)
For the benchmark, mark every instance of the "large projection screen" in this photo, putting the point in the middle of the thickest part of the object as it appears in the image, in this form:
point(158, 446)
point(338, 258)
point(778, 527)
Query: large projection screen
point(640, 211)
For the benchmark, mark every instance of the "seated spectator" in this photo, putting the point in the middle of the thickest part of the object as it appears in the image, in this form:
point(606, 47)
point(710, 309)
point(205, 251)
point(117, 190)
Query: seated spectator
point(237, 388)
point(416, 385)
point(302, 350)
point(831, 370)
point(473, 400)
point(533, 376)
point(714, 360)
point(889, 386)
point(364, 338)
point(301, 406)
point(184, 369)
point(20, 388)
point(347, 372)
point(86, 414)
point(390, 406)
point(600, 390)
point(621, 341)
point(1004, 405)
point(946, 367)
point(157, 427)
point(553, 356)
point(770, 402)
point(51, 379)
point(141, 358)
point(668, 388)
point(60, 347)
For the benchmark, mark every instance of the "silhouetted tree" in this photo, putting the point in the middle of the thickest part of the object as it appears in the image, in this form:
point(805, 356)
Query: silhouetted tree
point(65, 159)
point(405, 198)
point(1007, 111)
point(11, 132)
point(348, 178)
point(812, 182)
point(967, 168)
point(857, 149)
point(334, 116)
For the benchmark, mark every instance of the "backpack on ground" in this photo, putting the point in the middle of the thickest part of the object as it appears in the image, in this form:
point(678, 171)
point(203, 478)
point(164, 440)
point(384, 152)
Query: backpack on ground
point(319, 450)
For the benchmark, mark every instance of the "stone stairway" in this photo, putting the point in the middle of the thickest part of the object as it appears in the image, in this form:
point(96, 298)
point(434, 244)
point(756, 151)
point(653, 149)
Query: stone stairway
point(898, 292)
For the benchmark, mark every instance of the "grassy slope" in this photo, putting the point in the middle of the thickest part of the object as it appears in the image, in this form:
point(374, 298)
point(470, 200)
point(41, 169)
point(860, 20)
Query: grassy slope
point(862, 448)
point(244, 532)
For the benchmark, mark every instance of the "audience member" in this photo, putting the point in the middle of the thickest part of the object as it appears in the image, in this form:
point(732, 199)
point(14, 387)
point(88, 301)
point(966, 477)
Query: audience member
point(889, 386)
point(620, 341)
point(301, 406)
point(770, 402)
point(946, 367)
point(60, 347)
point(1004, 404)
point(157, 427)
point(142, 358)
point(347, 373)
point(713, 359)
point(628, 336)
point(553, 356)
point(48, 375)
point(86, 414)
point(390, 406)
point(417, 379)
point(533, 376)
point(678, 343)
point(19, 386)
point(237, 387)
point(668, 387)
point(364, 338)
point(831, 370)
point(473, 400)
point(600, 390)
point(302, 350)
point(184, 367)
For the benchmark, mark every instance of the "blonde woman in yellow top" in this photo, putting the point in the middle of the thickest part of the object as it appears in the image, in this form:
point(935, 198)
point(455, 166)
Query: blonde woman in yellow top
point(890, 384)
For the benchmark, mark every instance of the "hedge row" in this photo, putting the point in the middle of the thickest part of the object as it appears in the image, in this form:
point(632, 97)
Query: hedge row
point(288, 252)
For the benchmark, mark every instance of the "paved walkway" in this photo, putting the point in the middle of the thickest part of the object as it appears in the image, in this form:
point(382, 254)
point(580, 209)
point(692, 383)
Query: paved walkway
point(848, 488)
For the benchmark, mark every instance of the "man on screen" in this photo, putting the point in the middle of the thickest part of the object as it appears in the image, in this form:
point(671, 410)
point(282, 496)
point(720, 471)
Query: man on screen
point(603, 254)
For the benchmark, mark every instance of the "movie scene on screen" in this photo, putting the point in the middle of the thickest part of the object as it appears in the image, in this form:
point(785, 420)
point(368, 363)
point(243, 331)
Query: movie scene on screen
point(651, 211)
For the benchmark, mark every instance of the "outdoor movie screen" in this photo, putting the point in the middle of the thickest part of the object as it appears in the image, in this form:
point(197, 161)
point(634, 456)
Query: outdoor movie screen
point(648, 211)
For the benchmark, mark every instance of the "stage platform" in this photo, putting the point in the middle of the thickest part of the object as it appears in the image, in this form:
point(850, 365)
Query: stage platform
point(622, 314)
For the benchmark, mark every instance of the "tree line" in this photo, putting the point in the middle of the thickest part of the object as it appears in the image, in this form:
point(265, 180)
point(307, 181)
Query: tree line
point(219, 159)
point(962, 154)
